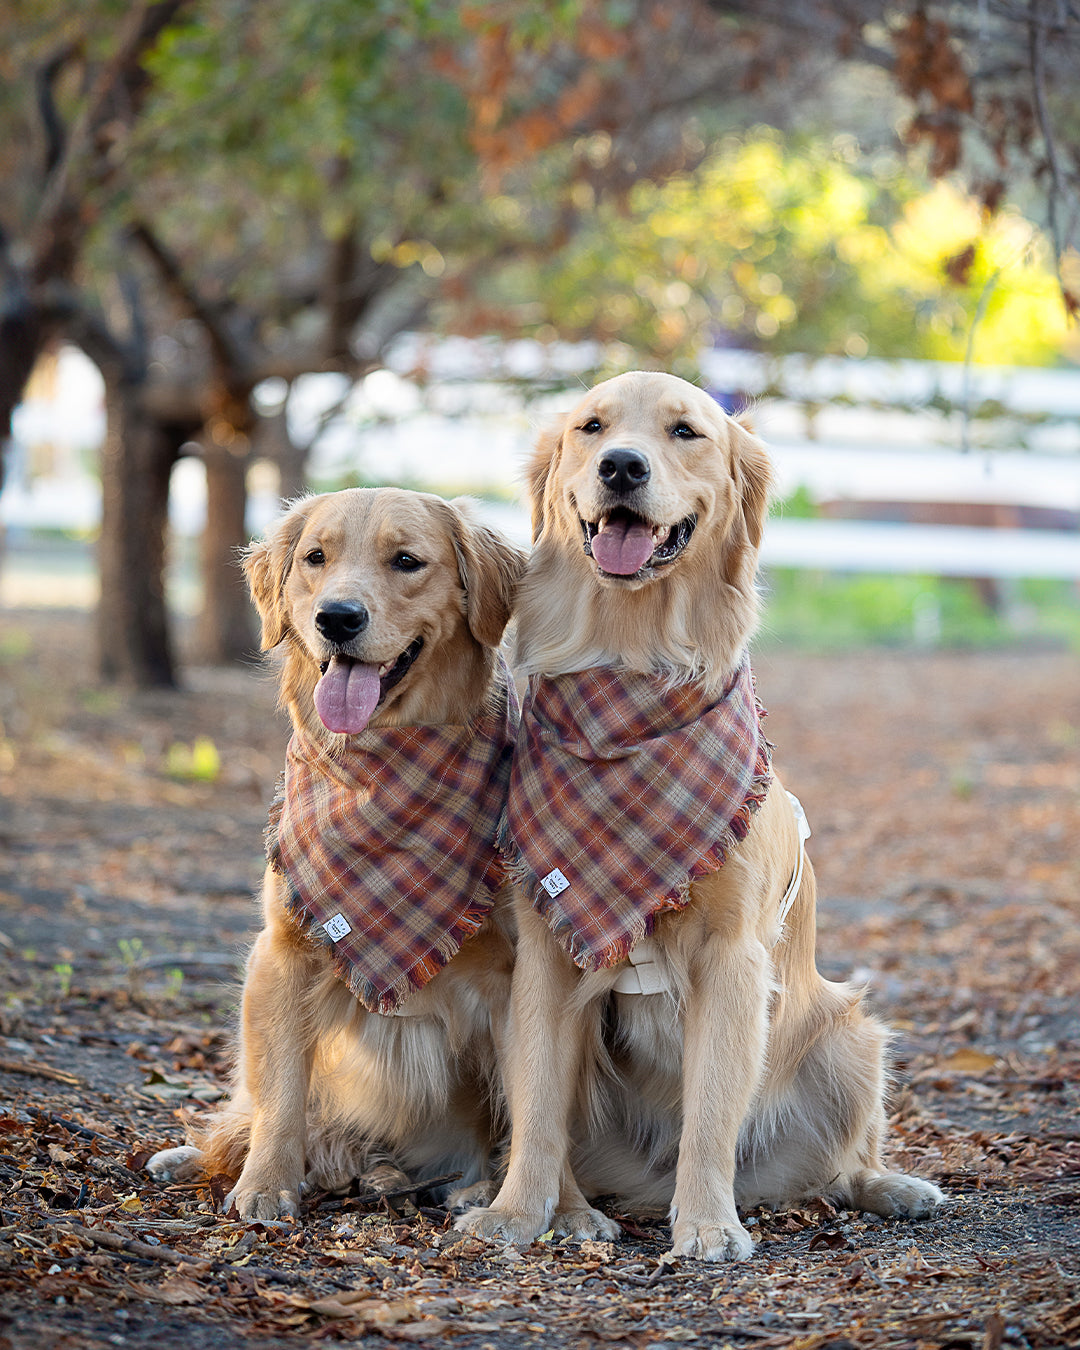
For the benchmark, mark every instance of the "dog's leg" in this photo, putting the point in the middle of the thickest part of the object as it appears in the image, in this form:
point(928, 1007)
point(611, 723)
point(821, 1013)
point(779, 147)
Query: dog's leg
point(275, 1066)
point(724, 1038)
point(542, 1067)
point(820, 1119)
point(870, 1188)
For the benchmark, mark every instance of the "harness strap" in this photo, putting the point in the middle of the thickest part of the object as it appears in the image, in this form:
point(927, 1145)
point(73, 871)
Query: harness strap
point(645, 974)
point(792, 891)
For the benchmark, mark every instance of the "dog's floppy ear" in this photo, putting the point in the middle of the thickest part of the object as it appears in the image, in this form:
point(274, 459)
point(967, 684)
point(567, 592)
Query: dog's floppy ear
point(267, 563)
point(753, 479)
point(490, 568)
point(538, 471)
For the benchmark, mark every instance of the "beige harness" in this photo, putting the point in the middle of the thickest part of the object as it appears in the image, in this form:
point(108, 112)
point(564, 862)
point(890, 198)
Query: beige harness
point(646, 975)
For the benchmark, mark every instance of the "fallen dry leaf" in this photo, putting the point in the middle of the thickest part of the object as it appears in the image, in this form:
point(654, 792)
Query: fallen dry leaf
point(178, 1291)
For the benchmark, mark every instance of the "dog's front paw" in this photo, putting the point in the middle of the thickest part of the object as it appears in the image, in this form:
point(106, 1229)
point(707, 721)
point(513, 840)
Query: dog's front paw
point(897, 1196)
point(262, 1201)
point(711, 1241)
point(583, 1223)
point(175, 1164)
point(517, 1229)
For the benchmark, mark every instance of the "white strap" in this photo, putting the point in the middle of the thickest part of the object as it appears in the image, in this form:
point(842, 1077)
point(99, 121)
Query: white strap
point(792, 891)
point(645, 975)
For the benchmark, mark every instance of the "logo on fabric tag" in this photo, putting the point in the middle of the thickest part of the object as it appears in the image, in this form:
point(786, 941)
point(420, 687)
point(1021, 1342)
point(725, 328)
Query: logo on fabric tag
point(554, 883)
point(337, 927)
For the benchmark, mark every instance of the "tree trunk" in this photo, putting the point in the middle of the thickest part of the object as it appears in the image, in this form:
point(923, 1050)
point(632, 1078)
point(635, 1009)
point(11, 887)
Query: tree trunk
point(226, 625)
point(135, 647)
point(276, 445)
point(22, 339)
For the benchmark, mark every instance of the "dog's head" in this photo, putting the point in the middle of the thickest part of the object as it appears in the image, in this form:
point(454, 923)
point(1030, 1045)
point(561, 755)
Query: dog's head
point(391, 603)
point(644, 464)
point(649, 501)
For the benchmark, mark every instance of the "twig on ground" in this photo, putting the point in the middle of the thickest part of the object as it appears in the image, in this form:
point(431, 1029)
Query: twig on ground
point(169, 1256)
point(73, 1126)
point(216, 960)
point(33, 1069)
point(665, 1266)
point(372, 1195)
point(117, 1242)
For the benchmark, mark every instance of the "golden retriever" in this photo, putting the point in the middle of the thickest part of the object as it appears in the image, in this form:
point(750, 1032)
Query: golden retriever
point(747, 1078)
point(391, 606)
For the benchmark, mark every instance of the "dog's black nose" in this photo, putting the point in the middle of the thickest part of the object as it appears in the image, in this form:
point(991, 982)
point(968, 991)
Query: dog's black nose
point(341, 620)
point(623, 470)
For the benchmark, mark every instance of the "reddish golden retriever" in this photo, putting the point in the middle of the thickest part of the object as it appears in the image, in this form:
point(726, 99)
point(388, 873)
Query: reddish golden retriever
point(389, 606)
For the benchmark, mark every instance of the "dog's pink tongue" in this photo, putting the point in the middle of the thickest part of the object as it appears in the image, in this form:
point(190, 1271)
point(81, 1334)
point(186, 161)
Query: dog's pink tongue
point(623, 547)
point(347, 695)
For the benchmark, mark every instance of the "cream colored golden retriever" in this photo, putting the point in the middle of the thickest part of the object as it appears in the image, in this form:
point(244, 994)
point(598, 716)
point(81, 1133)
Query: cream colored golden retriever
point(745, 1078)
point(390, 606)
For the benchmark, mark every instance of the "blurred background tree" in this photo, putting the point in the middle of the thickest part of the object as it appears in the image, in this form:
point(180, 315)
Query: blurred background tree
point(795, 244)
point(208, 197)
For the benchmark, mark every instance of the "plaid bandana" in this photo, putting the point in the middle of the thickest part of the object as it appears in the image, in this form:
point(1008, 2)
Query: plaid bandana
point(623, 792)
point(389, 844)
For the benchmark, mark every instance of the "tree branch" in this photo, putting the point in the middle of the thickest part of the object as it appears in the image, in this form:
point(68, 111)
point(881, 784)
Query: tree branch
point(142, 30)
point(1061, 194)
point(51, 121)
point(225, 352)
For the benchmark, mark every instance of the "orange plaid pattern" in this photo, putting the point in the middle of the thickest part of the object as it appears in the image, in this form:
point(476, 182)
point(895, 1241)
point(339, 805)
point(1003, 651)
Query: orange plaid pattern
point(623, 791)
point(388, 845)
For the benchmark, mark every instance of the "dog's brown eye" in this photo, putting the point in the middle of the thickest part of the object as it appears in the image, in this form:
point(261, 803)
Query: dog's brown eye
point(684, 431)
point(592, 426)
point(316, 557)
point(407, 562)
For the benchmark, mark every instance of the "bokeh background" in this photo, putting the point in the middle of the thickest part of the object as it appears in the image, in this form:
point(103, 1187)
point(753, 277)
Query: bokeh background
point(251, 250)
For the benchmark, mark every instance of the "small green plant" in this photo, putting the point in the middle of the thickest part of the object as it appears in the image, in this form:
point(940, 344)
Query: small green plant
point(174, 980)
point(64, 971)
point(131, 950)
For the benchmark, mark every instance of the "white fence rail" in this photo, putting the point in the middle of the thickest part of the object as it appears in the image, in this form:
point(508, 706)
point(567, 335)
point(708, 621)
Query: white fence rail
point(460, 416)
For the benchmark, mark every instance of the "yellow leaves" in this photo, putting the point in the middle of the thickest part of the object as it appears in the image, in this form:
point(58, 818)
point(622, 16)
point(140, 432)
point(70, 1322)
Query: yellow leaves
point(198, 762)
point(409, 253)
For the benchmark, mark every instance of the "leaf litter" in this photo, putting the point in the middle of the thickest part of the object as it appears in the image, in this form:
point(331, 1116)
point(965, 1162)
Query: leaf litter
point(946, 807)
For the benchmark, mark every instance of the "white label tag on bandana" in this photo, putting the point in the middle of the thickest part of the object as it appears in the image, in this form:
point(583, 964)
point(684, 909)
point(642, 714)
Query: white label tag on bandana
point(554, 883)
point(337, 927)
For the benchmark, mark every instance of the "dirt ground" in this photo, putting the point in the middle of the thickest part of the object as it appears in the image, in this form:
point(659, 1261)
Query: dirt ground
point(944, 794)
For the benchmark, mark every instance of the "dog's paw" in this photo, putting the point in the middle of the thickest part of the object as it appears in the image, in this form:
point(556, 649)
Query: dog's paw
point(263, 1202)
point(583, 1223)
point(896, 1196)
point(502, 1224)
point(480, 1193)
point(175, 1164)
point(386, 1177)
point(711, 1241)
